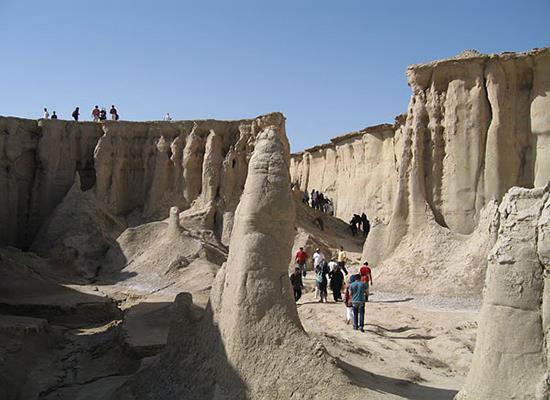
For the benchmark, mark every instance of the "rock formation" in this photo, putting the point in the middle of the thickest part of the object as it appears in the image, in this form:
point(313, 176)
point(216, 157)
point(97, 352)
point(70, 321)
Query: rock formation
point(475, 127)
point(137, 169)
point(512, 353)
point(250, 344)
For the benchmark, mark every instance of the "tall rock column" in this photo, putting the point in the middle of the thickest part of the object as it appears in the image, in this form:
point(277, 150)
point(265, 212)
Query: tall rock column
point(512, 348)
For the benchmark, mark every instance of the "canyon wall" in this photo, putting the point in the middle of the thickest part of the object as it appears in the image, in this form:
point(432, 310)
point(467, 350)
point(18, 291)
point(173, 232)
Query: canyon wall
point(137, 169)
point(476, 126)
point(512, 349)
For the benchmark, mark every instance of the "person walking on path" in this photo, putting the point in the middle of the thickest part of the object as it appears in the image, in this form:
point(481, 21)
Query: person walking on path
point(366, 277)
point(46, 114)
point(301, 259)
point(305, 198)
point(365, 224)
point(95, 114)
point(336, 283)
point(76, 113)
point(358, 291)
point(342, 260)
point(347, 300)
point(321, 281)
point(167, 117)
point(297, 284)
point(319, 221)
point(114, 113)
point(317, 258)
point(314, 199)
point(54, 115)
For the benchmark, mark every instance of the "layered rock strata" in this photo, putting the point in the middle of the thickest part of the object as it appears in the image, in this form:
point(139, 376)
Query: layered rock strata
point(476, 126)
point(250, 343)
point(512, 353)
point(137, 169)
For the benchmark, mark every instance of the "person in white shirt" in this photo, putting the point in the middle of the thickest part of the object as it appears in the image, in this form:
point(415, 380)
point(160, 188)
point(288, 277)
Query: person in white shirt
point(46, 114)
point(167, 117)
point(317, 258)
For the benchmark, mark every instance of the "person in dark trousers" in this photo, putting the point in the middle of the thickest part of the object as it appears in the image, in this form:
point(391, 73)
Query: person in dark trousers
point(358, 291)
point(114, 113)
point(365, 224)
point(353, 226)
point(103, 115)
point(54, 115)
point(321, 272)
point(297, 284)
point(319, 221)
point(336, 282)
point(301, 259)
point(76, 113)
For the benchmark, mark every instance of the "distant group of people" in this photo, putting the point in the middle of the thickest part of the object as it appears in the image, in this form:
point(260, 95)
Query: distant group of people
point(97, 114)
point(318, 201)
point(332, 274)
point(360, 223)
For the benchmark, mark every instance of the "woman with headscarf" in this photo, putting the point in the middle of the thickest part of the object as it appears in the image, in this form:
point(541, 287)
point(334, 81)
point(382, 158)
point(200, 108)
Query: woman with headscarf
point(336, 282)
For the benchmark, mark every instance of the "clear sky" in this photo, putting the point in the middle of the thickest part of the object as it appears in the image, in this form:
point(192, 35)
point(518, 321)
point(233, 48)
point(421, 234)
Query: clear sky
point(329, 66)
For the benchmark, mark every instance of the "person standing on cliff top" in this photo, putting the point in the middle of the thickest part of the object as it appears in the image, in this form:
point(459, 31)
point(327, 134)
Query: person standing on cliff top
point(54, 115)
point(76, 113)
point(103, 114)
point(95, 114)
point(167, 117)
point(114, 113)
point(46, 114)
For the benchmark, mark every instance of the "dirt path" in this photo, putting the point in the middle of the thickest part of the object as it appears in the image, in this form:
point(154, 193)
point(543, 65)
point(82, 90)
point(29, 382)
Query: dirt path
point(410, 349)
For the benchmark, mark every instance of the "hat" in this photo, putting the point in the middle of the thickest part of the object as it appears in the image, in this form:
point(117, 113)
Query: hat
point(365, 262)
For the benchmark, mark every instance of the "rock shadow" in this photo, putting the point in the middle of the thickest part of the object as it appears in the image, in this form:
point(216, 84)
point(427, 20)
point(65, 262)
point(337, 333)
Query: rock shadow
point(194, 364)
point(387, 385)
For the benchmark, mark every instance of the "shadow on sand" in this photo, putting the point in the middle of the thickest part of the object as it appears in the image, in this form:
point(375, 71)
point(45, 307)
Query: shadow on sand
point(400, 387)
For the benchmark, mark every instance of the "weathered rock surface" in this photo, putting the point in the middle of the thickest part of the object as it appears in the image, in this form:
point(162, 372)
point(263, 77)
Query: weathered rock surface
point(137, 169)
point(511, 357)
point(250, 343)
point(476, 126)
point(38, 161)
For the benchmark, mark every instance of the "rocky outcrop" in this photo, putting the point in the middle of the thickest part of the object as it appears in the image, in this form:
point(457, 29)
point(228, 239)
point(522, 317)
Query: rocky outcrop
point(476, 126)
point(512, 352)
point(138, 170)
point(250, 344)
point(357, 170)
point(38, 161)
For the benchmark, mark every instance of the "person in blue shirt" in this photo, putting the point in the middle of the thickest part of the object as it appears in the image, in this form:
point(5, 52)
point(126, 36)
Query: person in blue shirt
point(358, 291)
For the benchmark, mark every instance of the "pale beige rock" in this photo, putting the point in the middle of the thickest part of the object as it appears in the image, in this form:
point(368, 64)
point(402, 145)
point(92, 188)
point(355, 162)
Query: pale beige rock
point(511, 354)
point(251, 343)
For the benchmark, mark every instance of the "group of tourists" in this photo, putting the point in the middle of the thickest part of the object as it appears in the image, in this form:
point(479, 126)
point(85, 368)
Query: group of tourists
point(97, 114)
point(359, 223)
point(318, 201)
point(332, 274)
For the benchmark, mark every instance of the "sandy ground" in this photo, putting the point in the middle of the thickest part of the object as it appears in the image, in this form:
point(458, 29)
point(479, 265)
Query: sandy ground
point(413, 347)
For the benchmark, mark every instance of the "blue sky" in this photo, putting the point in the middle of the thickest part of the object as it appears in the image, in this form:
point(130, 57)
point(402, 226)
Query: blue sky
point(329, 66)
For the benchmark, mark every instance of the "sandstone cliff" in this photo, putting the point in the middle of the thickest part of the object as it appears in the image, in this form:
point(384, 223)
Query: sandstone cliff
point(250, 343)
point(137, 169)
point(476, 126)
point(512, 349)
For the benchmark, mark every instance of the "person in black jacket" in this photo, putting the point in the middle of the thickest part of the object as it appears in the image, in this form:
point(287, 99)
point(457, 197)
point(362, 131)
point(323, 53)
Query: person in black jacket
point(297, 284)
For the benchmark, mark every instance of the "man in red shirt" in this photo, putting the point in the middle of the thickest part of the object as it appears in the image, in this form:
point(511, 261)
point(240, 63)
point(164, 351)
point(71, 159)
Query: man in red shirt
point(301, 258)
point(366, 276)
